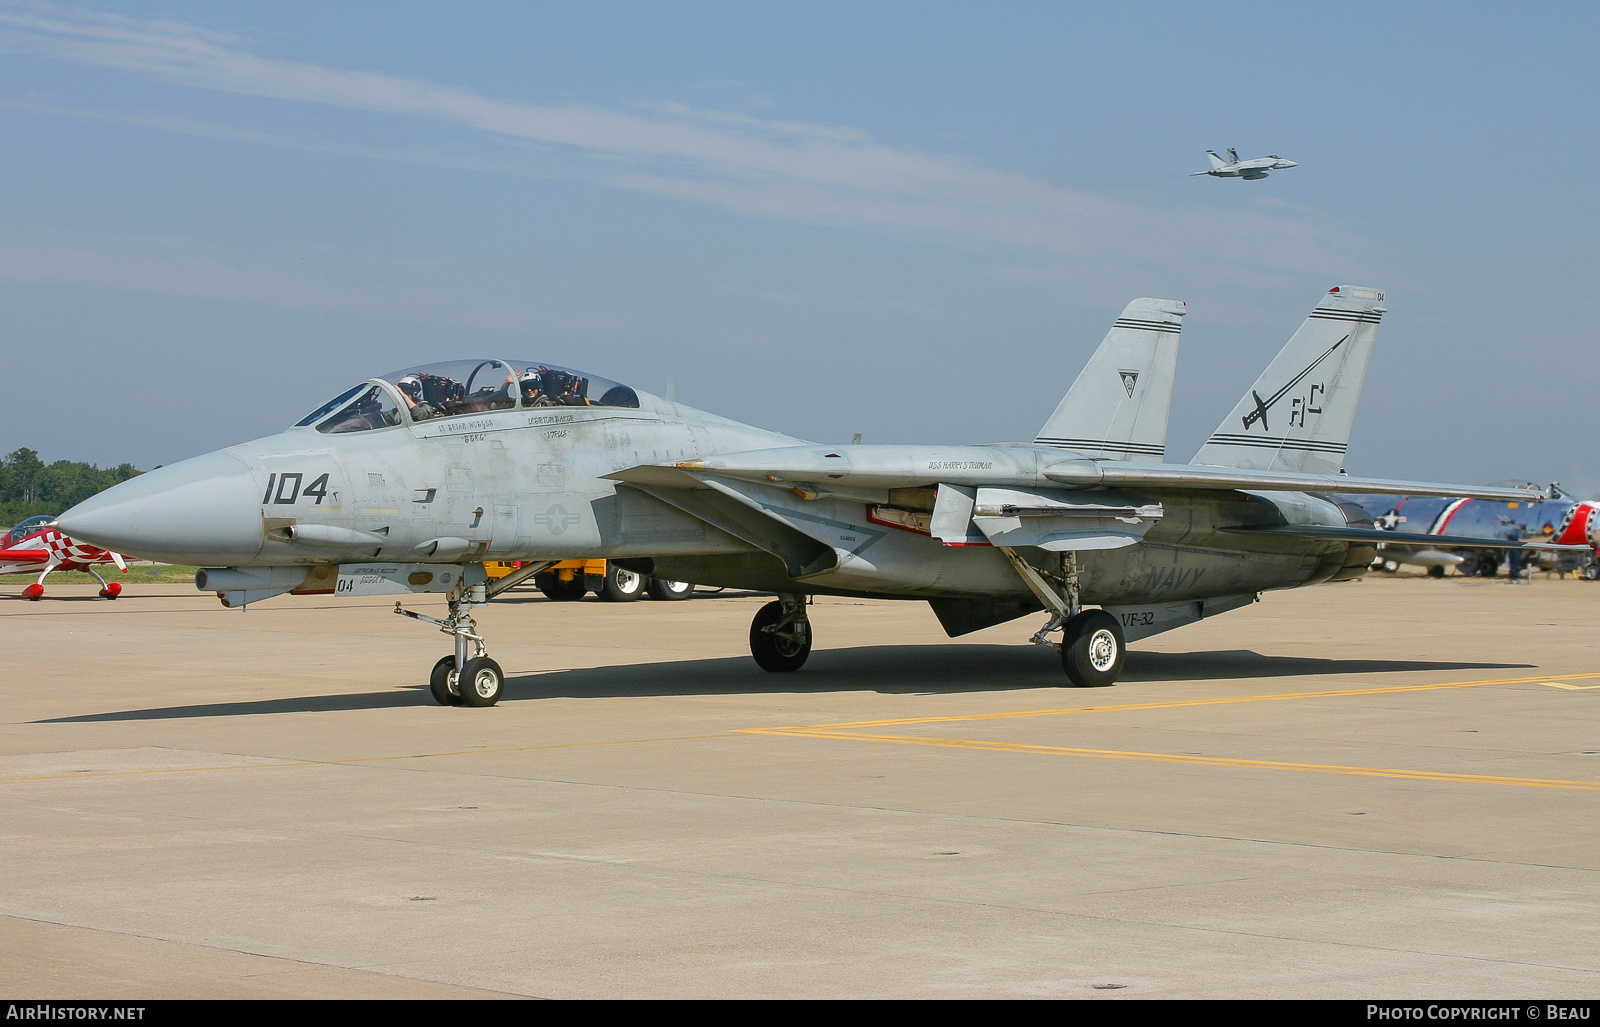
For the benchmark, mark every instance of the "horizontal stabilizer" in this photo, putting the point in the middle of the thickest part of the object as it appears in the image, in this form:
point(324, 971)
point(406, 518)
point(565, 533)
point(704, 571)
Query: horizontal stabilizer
point(1379, 535)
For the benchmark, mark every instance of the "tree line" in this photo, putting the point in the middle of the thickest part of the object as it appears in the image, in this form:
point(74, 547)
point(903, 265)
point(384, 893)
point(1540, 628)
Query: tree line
point(30, 486)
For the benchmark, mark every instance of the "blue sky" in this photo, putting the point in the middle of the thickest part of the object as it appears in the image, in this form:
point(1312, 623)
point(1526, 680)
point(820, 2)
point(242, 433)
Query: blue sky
point(914, 221)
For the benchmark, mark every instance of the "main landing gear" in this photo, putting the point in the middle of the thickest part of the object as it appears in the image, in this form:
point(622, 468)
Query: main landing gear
point(780, 634)
point(108, 589)
point(1092, 649)
point(469, 677)
point(1092, 645)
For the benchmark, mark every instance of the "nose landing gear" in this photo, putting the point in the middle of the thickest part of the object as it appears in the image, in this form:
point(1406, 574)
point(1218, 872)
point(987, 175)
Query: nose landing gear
point(484, 678)
point(469, 677)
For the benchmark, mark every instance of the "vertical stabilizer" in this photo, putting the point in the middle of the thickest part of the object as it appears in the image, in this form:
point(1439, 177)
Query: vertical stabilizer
point(1216, 162)
point(1233, 155)
point(1298, 415)
point(1118, 406)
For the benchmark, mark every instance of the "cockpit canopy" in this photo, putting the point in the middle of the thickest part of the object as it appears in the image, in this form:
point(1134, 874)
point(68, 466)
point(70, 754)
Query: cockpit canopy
point(460, 387)
point(31, 526)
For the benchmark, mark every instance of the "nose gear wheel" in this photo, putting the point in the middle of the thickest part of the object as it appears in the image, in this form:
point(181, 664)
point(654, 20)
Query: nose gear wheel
point(442, 682)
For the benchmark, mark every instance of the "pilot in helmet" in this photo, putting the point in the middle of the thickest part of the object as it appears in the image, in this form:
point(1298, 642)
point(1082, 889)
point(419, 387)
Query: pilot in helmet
point(533, 394)
point(411, 388)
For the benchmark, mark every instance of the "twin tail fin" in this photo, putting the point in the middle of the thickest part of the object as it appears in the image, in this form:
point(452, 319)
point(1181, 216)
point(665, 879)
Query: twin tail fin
point(1118, 407)
point(1299, 413)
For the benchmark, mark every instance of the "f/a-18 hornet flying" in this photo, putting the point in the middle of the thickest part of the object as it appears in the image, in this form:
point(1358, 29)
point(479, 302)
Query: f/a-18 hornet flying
point(407, 482)
point(1249, 170)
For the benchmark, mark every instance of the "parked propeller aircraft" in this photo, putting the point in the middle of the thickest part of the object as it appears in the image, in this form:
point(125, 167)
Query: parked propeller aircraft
point(1249, 170)
point(36, 545)
point(407, 482)
point(1430, 531)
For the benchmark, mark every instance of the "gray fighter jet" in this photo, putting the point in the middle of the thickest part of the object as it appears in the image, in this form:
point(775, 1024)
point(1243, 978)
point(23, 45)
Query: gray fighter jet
point(407, 482)
point(1249, 170)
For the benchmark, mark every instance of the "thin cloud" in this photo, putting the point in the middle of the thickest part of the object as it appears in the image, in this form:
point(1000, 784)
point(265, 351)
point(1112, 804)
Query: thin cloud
point(177, 266)
point(177, 125)
point(774, 169)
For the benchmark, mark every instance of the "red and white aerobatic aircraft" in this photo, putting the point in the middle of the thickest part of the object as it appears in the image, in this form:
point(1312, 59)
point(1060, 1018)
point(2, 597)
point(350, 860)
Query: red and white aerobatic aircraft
point(36, 545)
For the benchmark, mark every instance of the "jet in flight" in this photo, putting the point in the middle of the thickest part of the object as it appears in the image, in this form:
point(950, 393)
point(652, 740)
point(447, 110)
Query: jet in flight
point(406, 483)
point(1249, 170)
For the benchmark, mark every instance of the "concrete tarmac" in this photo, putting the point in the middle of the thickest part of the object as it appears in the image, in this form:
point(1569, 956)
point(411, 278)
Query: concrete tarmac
point(1380, 789)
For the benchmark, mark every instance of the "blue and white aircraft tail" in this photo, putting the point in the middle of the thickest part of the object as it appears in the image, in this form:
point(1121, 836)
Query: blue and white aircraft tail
point(1118, 406)
point(1298, 414)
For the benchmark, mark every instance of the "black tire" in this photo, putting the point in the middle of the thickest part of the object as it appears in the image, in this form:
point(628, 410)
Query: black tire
point(669, 591)
point(442, 682)
point(482, 682)
point(560, 591)
point(1435, 572)
point(776, 653)
point(621, 585)
point(1092, 649)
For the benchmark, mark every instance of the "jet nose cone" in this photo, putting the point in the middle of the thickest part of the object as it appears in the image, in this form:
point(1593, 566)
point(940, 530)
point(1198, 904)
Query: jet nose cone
point(204, 510)
point(1288, 164)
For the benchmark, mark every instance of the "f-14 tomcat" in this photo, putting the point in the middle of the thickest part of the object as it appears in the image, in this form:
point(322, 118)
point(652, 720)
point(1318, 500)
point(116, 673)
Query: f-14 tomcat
point(407, 482)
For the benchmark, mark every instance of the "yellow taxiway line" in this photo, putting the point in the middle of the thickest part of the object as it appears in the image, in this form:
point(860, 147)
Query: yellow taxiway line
point(1202, 761)
point(1172, 704)
point(851, 732)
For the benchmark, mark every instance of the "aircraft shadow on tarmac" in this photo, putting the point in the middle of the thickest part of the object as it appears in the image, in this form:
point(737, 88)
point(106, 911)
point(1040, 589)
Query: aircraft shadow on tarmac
point(888, 670)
